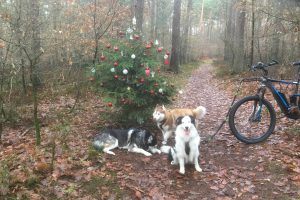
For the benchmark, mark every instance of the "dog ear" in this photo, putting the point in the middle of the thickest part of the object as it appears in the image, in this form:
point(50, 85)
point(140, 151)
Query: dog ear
point(178, 120)
point(164, 108)
point(193, 120)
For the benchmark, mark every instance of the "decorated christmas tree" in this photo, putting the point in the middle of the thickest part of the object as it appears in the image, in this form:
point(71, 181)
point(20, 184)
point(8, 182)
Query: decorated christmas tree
point(129, 72)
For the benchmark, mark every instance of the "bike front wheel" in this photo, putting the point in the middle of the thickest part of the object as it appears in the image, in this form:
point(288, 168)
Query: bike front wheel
point(252, 119)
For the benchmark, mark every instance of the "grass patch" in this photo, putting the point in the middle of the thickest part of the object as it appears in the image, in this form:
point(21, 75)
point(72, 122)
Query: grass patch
point(94, 154)
point(180, 79)
point(99, 187)
point(32, 182)
point(222, 70)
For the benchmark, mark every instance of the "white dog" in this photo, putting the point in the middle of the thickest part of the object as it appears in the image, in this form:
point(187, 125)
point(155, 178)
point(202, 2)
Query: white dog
point(166, 119)
point(187, 141)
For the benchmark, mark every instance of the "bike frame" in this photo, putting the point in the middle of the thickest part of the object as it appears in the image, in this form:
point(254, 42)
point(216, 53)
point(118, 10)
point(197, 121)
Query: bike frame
point(279, 97)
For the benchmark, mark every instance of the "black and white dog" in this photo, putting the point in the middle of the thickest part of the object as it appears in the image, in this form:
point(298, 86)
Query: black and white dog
point(135, 140)
point(187, 141)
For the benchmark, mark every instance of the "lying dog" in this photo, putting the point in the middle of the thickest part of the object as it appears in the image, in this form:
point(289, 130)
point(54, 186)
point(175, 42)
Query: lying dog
point(165, 119)
point(135, 140)
point(187, 141)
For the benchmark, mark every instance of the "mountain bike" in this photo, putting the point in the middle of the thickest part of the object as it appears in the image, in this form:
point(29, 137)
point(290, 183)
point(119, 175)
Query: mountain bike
point(252, 119)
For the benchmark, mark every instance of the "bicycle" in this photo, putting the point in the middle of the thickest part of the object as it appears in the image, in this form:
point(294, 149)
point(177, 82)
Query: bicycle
point(252, 119)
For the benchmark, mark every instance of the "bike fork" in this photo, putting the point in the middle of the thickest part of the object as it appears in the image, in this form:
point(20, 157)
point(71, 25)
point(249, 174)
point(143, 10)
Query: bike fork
point(257, 107)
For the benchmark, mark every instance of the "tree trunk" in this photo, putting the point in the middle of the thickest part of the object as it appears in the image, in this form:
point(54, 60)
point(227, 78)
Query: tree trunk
point(175, 53)
point(252, 33)
point(239, 61)
point(229, 33)
point(36, 46)
point(185, 35)
point(139, 14)
point(201, 16)
point(152, 18)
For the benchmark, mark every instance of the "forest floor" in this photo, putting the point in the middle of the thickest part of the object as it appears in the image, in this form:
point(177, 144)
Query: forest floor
point(231, 169)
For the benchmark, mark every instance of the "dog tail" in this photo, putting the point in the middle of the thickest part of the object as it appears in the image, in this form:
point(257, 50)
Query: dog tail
point(98, 145)
point(165, 149)
point(199, 112)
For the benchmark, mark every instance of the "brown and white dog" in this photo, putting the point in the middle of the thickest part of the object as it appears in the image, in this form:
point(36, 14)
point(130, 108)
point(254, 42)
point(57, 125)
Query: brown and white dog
point(166, 119)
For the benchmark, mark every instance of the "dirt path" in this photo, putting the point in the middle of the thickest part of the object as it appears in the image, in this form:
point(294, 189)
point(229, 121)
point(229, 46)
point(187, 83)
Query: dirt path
point(232, 170)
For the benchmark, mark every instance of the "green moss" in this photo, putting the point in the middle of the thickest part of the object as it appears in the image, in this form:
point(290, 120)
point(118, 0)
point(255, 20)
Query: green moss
point(32, 181)
point(99, 186)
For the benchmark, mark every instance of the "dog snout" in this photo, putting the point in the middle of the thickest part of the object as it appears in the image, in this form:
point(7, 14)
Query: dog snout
point(186, 128)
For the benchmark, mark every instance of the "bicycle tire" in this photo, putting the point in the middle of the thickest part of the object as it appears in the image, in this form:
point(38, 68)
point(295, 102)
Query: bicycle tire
point(241, 136)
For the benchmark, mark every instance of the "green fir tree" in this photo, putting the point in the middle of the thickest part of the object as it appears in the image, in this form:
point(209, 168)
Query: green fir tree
point(129, 71)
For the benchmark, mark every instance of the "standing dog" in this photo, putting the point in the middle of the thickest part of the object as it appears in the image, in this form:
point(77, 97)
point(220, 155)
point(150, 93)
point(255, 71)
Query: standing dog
point(187, 141)
point(166, 119)
point(135, 140)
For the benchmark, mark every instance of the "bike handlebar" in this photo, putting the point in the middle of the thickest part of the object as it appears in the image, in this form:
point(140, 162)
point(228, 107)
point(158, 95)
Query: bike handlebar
point(263, 66)
point(296, 63)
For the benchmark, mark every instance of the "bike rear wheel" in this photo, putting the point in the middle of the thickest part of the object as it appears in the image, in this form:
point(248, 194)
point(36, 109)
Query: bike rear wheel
point(252, 119)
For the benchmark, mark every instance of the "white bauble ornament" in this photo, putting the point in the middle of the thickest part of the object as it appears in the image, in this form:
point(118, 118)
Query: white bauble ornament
point(112, 69)
point(152, 74)
point(93, 70)
point(133, 56)
point(129, 30)
point(160, 90)
point(166, 56)
point(125, 71)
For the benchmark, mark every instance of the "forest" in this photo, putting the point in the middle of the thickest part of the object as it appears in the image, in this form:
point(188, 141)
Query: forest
point(70, 68)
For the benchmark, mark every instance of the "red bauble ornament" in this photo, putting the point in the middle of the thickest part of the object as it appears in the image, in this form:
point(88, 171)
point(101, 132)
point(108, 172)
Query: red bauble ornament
point(155, 84)
point(166, 61)
point(159, 49)
point(116, 76)
point(158, 70)
point(102, 57)
point(109, 104)
point(168, 53)
point(123, 100)
point(152, 92)
point(108, 46)
point(142, 80)
point(116, 48)
point(121, 33)
point(147, 71)
point(136, 36)
point(116, 64)
point(148, 46)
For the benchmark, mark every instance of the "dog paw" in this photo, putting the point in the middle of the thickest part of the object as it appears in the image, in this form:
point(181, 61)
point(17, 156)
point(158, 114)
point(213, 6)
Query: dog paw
point(181, 171)
point(198, 169)
point(148, 154)
point(164, 142)
point(173, 163)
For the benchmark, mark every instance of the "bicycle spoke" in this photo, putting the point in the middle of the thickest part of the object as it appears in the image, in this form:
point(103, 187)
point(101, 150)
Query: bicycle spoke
point(251, 120)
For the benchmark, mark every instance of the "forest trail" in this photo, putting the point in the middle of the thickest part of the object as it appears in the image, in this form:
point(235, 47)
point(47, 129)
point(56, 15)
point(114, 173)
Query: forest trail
point(231, 169)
